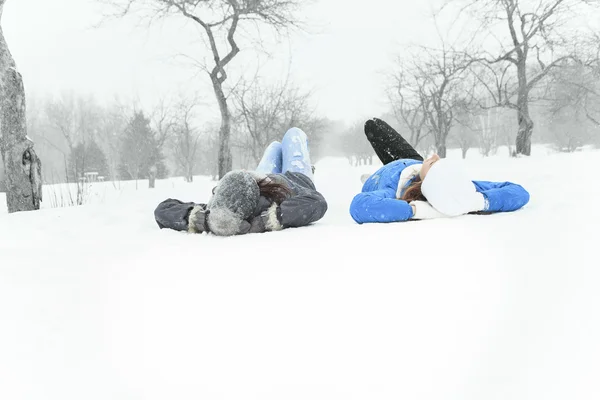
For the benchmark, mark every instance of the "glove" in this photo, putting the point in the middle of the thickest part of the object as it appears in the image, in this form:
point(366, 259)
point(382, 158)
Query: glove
point(257, 225)
point(263, 205)
point(269, 220)
point(197, 220)
point(424, 210)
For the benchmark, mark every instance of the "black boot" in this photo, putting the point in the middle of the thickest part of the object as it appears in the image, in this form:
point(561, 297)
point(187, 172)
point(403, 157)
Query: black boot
point(388, 144)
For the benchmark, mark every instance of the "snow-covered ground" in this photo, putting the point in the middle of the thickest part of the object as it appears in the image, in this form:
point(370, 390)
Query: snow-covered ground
point(97, 303)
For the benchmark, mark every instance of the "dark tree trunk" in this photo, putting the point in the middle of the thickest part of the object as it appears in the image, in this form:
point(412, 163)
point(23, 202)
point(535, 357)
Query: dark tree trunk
point(464, 152)
point(440, 145)
point(440, 134)
point(23, 168)
point(225, 160)
point(524, 120)
point(523, 143)
point(441, 150)
point(152, 177)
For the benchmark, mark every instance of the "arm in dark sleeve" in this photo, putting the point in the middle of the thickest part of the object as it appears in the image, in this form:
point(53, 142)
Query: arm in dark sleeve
point(303, 209)
point(174, 214)
point(295, 211)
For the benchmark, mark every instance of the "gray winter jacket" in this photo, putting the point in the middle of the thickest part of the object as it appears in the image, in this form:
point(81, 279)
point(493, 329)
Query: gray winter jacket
point(302, 207)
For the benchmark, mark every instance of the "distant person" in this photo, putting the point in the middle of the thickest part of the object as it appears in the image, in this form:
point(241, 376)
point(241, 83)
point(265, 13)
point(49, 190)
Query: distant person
point(408, 187)
point(279, 194)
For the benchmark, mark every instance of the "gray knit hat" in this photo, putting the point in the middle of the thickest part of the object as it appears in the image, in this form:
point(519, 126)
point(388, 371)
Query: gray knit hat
point(234, 201)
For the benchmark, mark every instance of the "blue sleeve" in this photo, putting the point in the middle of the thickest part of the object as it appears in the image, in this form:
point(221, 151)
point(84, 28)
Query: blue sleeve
point(379, 206)
point(502, 196)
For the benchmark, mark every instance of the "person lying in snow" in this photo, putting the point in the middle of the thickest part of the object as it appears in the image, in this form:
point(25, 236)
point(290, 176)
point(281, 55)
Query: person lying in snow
point(408, 187)
point(279, 194)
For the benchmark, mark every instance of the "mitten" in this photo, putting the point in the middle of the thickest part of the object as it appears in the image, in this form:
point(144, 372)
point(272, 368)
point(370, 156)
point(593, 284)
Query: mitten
point(197, 220)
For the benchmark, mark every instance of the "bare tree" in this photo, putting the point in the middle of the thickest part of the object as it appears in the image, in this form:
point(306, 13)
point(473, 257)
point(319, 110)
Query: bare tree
point(266, 112)
point(23, 168)
point(534, 33)
point(216, 19)
point(488, 124)
point(464, 131)
point(164, 120)
point(409, 111)
point(465, 138)
point(577, 86)
point(436, 80)
point(487, 134)
point(77, 119)
point(574, 106)
point(113, 122)
point(186, 139)
point(62, 115)
point(206, 162)
point(356, 147)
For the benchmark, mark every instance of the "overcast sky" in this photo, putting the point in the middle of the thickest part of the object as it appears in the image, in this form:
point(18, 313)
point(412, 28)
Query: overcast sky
point(57, 48)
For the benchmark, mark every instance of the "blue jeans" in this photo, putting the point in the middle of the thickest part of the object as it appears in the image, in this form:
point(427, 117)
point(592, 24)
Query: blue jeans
point(290, 155)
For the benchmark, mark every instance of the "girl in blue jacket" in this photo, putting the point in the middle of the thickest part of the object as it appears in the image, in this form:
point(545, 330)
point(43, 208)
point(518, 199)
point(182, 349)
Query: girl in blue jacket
point(408, 187)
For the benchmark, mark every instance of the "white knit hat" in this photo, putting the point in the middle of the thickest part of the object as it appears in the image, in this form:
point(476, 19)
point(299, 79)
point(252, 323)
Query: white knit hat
point(448, 188)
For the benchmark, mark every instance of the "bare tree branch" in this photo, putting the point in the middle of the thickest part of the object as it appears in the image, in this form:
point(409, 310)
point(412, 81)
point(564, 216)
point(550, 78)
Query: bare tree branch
point(216, 17)
point(539, 28)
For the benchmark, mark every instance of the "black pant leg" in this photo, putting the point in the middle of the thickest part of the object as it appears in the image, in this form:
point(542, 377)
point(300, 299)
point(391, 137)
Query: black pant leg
point(388, 144)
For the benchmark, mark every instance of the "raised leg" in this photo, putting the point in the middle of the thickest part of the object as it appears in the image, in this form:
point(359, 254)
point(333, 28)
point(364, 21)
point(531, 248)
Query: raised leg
point(272, 159)
point(296, 157)
point(388, 144)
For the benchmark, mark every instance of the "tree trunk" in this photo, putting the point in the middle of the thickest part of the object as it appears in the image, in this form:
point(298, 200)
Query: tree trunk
point(189, 176)
point(464, 152)
point(22, 166)
point(524, 120)
point(440, 141)
point(152, 177)
point(440, 145)
point(525, 131)
point(225, 160)
point(441, 150)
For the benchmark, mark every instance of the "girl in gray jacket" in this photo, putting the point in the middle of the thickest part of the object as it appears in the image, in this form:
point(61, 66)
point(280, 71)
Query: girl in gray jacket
point(279, 194)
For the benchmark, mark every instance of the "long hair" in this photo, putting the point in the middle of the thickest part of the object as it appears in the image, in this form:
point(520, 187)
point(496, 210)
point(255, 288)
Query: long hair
point(413, 192)
point(273, 191)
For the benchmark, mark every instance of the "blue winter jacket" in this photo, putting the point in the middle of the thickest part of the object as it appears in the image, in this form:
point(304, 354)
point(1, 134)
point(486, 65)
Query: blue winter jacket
point(377, 202)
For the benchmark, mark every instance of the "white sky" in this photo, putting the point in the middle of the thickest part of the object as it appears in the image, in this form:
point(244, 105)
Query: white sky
point(57, 49)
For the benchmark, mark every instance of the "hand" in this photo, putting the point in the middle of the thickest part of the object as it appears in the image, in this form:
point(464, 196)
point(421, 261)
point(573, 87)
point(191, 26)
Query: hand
point(197, 222)
point(257, 225)
point(263, 205)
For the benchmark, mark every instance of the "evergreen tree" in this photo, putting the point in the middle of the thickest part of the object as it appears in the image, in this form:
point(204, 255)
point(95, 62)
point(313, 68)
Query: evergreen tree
point(88, 158)
point(140, 150)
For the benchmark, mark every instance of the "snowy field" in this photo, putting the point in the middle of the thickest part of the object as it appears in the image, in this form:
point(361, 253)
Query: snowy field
point(97, 303)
